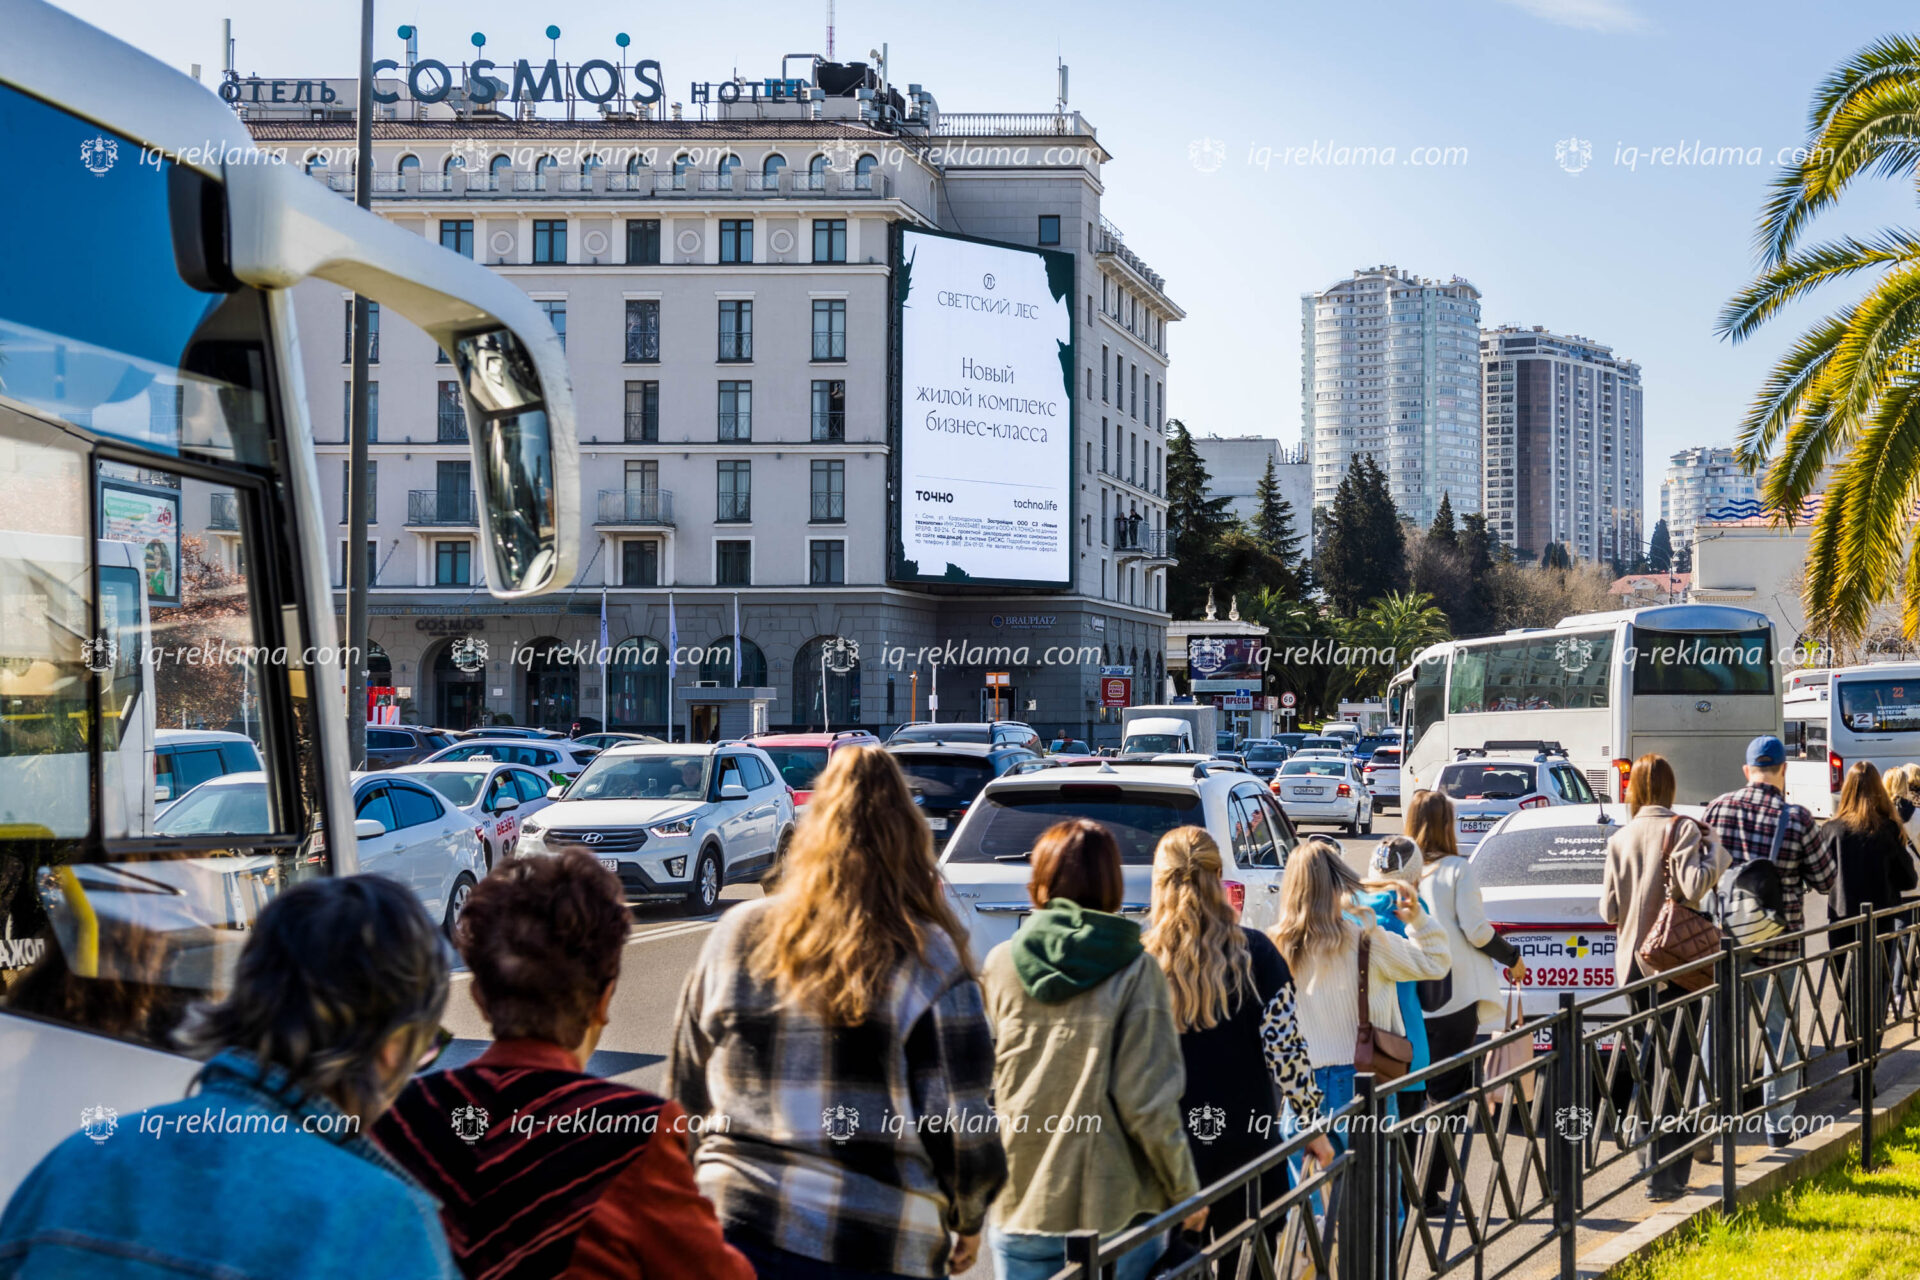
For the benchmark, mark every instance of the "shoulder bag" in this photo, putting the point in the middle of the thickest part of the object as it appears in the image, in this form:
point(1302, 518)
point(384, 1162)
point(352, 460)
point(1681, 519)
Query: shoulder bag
point(1679, 935)
point(1384, 1053)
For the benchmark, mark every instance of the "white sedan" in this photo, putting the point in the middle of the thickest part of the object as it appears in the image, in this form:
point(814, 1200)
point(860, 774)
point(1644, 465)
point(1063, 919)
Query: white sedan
point(496, 797)
point(1324, 789)
point(406, 832)
point(560, 762)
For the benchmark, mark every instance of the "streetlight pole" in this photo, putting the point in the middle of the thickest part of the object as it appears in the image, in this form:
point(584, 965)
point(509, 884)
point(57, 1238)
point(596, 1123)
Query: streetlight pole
point(357, 434)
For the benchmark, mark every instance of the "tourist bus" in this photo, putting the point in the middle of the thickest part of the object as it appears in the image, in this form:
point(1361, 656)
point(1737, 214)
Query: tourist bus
point(1693, 682)
point(162, 541)
point(1836, 718)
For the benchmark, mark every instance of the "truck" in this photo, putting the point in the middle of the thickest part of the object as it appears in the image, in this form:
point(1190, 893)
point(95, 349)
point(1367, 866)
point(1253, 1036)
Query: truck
point(1181, 727)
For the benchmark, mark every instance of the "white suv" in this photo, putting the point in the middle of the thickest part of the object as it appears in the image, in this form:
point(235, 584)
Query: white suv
point(988, 861)
point(674, 821)
point(1486, 784)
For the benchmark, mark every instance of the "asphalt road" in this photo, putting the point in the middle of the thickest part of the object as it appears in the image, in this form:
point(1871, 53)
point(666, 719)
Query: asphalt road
point(664, 945)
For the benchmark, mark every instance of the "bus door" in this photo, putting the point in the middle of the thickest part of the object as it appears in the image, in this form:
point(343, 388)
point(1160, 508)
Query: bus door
point(1805, 734)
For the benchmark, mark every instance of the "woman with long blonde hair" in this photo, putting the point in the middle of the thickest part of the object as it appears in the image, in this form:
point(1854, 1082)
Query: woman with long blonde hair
point(845, 996)
point(1233, 1004)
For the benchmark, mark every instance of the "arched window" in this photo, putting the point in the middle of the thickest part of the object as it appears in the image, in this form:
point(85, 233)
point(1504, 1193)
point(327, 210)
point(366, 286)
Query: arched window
point(718, 664)
point(773, 165)
point(499, 170)
point(634, 166)
point(316, 164)
point(637, 685)
point(407, 165)
point(553, 685)
point(588, 165)
point(541, 168)
point(863, 172)
point(454, 164)
point(680, 166)
point(817, 173)
point(379, 665)
point(843, 688)
point(726, 168)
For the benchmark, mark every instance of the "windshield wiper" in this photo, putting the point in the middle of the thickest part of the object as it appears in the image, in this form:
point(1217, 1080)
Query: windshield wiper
point(1013, 857)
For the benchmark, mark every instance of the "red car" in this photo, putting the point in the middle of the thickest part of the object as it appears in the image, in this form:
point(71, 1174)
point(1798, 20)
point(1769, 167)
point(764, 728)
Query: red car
point(801, 756)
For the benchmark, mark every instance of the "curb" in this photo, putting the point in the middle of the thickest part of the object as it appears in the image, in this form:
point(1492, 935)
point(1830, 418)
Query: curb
point(1808, 1155)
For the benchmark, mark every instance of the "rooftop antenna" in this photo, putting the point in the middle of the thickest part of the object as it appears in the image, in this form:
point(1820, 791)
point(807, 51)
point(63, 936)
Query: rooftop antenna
point(1061, 108)
point(226, 45)
point(829, 30)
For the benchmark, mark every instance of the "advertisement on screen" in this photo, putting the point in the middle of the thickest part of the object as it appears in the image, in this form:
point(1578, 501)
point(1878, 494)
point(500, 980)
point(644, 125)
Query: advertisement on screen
point(984, 488)
point(149, 517)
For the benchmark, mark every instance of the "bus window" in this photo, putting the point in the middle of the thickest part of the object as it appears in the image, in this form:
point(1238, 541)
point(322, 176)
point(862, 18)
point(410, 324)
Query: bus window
point(1695, 663)
point(1879, 706)
point(1429, 698)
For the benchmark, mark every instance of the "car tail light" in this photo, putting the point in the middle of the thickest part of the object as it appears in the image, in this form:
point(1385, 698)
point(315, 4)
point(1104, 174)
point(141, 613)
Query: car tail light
point(1836, 770)
point(1536, 802)
point(1343, 790)
point(1623, 768)
point(1236, 895)
point(1368, 769)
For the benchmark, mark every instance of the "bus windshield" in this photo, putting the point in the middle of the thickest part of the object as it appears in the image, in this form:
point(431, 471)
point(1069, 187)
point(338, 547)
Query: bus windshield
point(1879, 706)
point(1692, 663)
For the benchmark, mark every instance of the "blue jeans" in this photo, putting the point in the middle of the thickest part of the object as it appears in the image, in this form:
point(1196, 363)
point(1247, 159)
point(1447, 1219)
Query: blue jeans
point(1020, 1256)
point(1336, 1091)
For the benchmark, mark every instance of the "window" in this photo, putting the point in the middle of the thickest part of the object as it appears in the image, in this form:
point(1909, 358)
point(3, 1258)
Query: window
point(733, 562)
point(1103, 375)
point(453, 564)
point(735, 491)
point(643, 331)
point(829, 329)
point(1721, 663)
point(639, 563)
point(643, 241)
point(817, 174)
point(498, 169)
point(377, 806)
point(736, 239)
point(556, 311)
point(549, 239)
point(736, 329)
point(728, 166)
point(373, 333)
point(373, 490)
point(770, 168)
point(829, 239)
point(457, 234)
point(415, 805)
point(1103, 521)
point(863, 173)
point(1133, 391)
point(1049, 228)
point(373, 563)
point(643, 475)
point(681, 165)
point(1560, 673)
point(829, 490)
point(736, 411)
point(826, 562)
point(830, 410)
point(450, 415)
point(373, 412)
point(643, 412)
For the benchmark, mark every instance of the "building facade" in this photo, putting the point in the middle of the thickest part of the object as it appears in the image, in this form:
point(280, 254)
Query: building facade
point(1388, 367)
point(1702, 482)
point(1563, 444)
point(1235, 466)
point(723, 287)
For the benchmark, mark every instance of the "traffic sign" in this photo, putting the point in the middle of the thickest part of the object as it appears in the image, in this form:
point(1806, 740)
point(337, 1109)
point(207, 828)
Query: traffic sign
point(1286, 700)
point(999, 679)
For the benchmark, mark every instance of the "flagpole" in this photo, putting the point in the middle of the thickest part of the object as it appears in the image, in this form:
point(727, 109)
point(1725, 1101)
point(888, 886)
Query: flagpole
point(604, 726)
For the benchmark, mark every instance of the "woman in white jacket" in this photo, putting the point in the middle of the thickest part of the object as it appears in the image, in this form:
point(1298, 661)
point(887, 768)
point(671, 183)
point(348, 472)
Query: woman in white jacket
point(1474, 988)
point(1318, 933)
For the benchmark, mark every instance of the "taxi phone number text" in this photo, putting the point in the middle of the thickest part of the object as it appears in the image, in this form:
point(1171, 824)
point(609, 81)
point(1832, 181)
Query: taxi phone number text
point(1558, 976)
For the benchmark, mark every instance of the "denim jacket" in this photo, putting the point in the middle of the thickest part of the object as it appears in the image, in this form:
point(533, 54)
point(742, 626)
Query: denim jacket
point(247, 1178)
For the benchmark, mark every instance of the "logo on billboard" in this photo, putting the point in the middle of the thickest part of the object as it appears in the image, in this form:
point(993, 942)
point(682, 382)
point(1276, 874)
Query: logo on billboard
point(1206, 656)
point(98, 154)
point(987, 281)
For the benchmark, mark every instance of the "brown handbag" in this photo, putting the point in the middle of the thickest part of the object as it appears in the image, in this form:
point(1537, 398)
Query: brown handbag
point(1382, 1052)
point(1679, 934)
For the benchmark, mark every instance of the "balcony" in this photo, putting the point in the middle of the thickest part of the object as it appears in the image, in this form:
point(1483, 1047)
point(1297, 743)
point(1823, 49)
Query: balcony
point(736, 347)
point(1012, 124)
point(440, 508)
point(829, 508)
point(629, 507)
point(452, 426)
point(734, 508)
point(225, 516)
point(600, 184)
point(1135, 543)
point(829, 344)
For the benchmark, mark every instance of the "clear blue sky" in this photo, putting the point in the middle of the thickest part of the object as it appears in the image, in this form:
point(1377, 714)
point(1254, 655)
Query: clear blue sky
point(1639, 256)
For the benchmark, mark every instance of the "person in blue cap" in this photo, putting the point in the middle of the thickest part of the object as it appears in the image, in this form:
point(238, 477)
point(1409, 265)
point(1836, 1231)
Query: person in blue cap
point(1758, 821)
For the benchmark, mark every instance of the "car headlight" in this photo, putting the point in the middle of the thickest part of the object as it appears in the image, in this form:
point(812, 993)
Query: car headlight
point(678, 827)
point(531, 828)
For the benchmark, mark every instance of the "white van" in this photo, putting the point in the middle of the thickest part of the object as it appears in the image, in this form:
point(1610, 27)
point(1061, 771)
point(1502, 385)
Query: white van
point(185, 758)
point(1858, 713)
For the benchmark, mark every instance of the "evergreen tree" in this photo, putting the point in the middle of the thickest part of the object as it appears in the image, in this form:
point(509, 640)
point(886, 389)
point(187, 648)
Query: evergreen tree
point(1477, 547)
point(1683, 560)
point(1197, 522)
point(1442, 531)
point(1363, 554)
point(1272, 527)
point(1554, 556)
point(1660, 549)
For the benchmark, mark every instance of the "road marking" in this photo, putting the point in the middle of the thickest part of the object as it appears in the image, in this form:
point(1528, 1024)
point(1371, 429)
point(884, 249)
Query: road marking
point(679, 929)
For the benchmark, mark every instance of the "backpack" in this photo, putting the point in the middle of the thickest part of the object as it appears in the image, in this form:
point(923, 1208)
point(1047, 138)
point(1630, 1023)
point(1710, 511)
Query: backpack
point(1752, 895)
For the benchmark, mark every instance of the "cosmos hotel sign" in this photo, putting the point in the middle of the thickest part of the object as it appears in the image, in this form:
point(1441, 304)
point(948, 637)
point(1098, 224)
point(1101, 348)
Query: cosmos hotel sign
point(984, 480)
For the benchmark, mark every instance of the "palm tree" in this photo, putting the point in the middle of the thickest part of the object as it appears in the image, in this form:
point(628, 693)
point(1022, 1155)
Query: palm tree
point(1394, 628)
point(1846, 394)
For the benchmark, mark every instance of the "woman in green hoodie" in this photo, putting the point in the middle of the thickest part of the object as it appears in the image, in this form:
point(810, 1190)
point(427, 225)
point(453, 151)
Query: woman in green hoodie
point(1087, 1068)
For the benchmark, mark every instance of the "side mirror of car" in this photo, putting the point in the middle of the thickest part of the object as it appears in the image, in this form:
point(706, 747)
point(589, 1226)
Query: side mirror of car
point(506, 804)
point(554, 793)
point(368, 828)
point(732, 791)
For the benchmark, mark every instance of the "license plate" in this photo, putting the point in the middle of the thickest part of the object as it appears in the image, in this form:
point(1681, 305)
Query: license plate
point(1309, 791)
point(937, 824)
point(1566, 960)
point(1476, 826)
point(611, 864)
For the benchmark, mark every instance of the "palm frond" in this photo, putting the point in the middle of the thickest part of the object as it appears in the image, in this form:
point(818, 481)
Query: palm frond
point(1801, 274)
point(1784, 394)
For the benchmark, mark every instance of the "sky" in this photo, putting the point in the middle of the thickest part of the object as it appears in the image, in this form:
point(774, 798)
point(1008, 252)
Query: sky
point(1593, 166)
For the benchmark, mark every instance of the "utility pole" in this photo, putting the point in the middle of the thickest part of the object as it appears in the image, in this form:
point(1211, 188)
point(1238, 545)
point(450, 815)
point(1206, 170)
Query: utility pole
point(357, 513)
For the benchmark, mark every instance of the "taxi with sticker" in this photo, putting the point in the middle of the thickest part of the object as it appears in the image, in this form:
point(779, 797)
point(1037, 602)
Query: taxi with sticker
point(495, 795)
point(1540, 873)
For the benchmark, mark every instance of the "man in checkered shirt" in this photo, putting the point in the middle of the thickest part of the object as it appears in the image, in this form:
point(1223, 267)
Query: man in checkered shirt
point(1745, 821)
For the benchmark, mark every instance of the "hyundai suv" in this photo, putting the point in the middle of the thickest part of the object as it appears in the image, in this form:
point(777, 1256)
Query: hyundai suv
point(675, 821)
point(1486, 784)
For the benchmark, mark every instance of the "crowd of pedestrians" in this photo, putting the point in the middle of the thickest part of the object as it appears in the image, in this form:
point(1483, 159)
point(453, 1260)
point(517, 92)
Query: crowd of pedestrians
point(850, 1091)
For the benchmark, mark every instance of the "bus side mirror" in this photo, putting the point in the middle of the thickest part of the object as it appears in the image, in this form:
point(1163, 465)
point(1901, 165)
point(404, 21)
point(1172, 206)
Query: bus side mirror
point(514, 467)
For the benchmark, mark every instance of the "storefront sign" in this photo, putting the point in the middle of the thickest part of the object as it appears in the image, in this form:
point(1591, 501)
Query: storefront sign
point(441, 626)
point(1116, 691)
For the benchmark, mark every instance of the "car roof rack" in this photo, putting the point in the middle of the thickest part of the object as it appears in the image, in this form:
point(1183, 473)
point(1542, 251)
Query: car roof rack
point(1540, 747)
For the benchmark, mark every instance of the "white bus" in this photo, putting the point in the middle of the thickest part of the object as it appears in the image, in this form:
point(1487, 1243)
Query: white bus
point(163, 508)
point(1693, 682)
point(1836, 718)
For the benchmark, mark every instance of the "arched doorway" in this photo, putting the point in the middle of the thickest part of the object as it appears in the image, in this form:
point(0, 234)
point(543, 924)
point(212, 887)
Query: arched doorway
point(637, 685)
point(459, 697)
point(717, 665)
point(843, 689)
point(553, 685)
